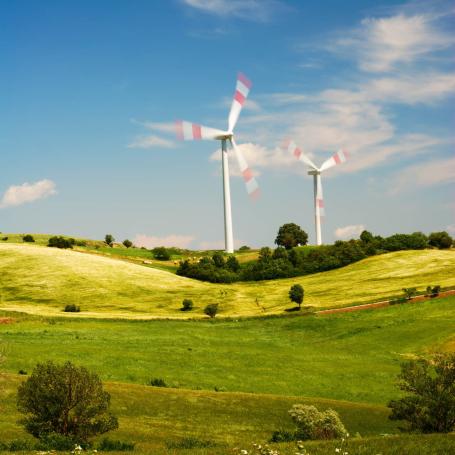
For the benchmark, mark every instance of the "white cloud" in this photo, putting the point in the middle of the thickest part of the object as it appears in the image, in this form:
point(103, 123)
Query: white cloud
point(27, 192)
point(381, 44)
point(146, 142)
point(429, 173)
point(451, 229)
point(151, 241)
point(255, 10)
point(349, 232)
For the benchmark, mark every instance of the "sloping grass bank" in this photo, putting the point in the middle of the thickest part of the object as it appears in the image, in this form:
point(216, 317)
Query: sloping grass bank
point(40, 280)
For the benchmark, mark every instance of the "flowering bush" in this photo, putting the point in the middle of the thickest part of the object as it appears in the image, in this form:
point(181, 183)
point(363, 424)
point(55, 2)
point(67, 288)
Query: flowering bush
point(314, 424)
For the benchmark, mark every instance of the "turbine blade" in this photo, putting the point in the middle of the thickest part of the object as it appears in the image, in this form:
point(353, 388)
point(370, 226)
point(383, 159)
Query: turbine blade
point(242, 89)
point(291, 147)
point(187, 131)
point(339, 157)
point(320, 212)
point(251, 184)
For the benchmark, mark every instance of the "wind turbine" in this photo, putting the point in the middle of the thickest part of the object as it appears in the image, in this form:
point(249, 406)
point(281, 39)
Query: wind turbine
point(190, 131)
point(339, 157)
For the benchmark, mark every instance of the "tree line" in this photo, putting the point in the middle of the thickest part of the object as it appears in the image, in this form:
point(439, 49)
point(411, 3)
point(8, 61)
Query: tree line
point(289, 260)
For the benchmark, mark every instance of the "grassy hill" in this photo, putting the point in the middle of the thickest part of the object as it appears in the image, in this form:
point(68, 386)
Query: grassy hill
point(349, 356)
point(40, 280)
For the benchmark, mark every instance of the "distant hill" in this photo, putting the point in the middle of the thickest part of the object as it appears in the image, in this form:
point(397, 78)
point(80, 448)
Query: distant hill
point(40, 280)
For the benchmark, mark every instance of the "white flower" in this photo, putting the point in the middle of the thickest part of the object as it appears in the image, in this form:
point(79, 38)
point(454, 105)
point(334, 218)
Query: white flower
point(337, 450)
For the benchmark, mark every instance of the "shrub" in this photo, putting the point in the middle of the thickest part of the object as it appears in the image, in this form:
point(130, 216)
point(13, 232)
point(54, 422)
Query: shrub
point(211, 309)
point(72, 308)
point(22, 372)
point(112, 445)
point(283, 436)
point(430, 405)
point(127, 243)
point(440, 240)
point(244, 248)
point(158, 382)
point(56, 441)
point(161, 253)
point(5, 239)
point(296, 294)
point(187, 305)
point(60, 242)
point(109, 239)
point(190, 442)
point(28, 238)
point(409, 293)
point(64, 399)
point(314, 424)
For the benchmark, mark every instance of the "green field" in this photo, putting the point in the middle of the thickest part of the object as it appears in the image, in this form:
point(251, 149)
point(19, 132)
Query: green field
point(348, 362)
point(349, 356)
point(41, 280)
point(232, 379)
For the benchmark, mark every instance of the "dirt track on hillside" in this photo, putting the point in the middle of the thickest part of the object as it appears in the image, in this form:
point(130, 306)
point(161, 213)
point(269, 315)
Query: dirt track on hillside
point(384, 303)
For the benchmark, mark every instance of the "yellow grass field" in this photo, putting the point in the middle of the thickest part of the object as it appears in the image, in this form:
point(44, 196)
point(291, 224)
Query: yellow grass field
point(39, 280)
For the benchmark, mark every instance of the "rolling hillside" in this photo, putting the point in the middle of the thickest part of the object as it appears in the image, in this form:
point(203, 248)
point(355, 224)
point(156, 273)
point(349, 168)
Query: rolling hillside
point(40, 280)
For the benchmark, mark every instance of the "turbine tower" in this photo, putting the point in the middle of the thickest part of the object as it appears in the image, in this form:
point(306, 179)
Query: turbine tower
point(191, 131)
point(339, 157)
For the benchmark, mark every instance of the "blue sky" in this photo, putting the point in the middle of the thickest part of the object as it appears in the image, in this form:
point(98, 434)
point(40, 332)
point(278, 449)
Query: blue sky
point(90, 90)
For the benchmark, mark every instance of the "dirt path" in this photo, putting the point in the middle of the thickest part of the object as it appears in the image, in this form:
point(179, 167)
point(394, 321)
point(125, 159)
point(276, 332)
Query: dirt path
point(384, 303)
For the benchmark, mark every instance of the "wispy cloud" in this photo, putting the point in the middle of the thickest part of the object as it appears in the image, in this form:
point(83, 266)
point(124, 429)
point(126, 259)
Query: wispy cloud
point(381, 44)
point(27, 192)
point(253, 10)
point(151, 241)
point(428, 173)
point(349, 232)
point(218, 244)
point(151, 141)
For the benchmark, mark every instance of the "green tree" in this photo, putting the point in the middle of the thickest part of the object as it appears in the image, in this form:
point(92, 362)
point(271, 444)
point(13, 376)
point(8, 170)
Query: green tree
point(265, 254)
point(430, 405)
point(233, 264)
point(366, 237)
point(291, 235)
point(296, 294)
point(28, 238)
point(109, 239)
point(440, 240)
point(409, 293)
point(64, 399)
point(127, 243)
point(161, 253)
point(218, 260)
point(211, 309)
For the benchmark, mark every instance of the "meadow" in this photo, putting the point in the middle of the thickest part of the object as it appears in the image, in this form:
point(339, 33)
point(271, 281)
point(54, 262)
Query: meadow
point(40, 280)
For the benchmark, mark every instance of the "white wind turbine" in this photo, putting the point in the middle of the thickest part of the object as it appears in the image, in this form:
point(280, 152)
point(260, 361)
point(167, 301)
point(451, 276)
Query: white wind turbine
point(339, 157)
point(191, 131)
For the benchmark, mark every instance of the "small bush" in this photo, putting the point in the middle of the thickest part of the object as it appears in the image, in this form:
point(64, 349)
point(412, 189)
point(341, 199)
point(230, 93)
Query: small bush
point(187, 305)
point(244, 248)
point(314, 424)
point(409, 293)
point(398, 301)
point(127, 243)
point(190, 442)
point(211, 310)
point(56, 441)
point(22, 372)
point(28, 238)
point(5, 239)
point(72, 308)
point(158, 382)
point(283, 436)
point(161, 253)
point(60, 242)
point(111, 445)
